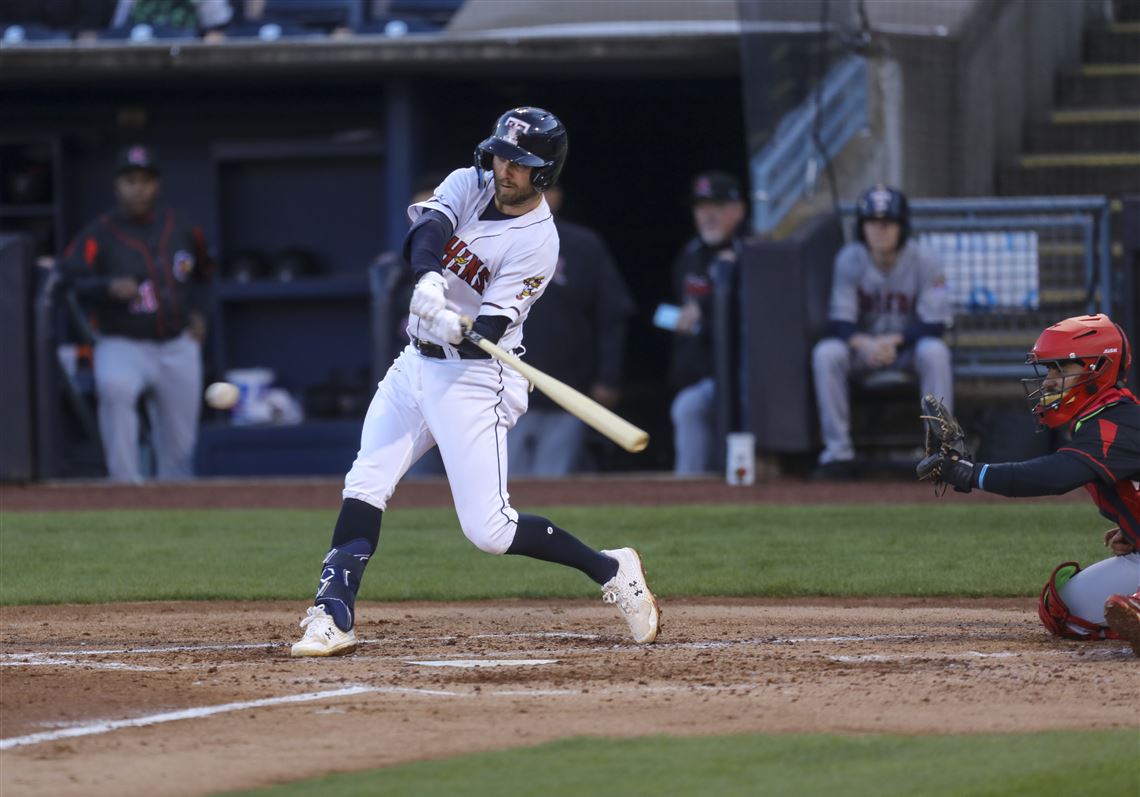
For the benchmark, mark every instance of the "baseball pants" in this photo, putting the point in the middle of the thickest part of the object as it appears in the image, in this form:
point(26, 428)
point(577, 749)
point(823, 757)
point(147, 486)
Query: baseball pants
point(835, 364)
point(466, 407)
point(170, 374)
point(545, 443)
point(692, 415)
point(1086, 592)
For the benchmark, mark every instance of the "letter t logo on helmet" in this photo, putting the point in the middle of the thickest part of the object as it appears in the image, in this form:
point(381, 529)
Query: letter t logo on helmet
point(529, 137)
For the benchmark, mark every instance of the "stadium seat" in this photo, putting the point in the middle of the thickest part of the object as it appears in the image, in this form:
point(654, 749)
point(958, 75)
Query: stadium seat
point(19, 34)
point(269, 30)
point(321, 14)
point(143, 32)
point(395, 27)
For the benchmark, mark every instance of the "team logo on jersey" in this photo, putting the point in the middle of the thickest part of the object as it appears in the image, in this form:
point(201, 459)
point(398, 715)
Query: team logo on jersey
point(530, 287)
point(182, 265)
point(514, 128)
point(465, 264)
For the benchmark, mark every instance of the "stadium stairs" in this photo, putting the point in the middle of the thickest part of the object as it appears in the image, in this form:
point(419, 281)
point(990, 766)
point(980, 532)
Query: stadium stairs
point(1090, 142)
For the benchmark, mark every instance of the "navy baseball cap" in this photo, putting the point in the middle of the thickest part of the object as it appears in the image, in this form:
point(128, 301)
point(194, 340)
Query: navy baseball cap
point(136, 156)
point(715, 187)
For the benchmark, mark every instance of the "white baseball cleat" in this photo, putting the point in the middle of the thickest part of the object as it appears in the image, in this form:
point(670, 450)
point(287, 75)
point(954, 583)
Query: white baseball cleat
point(629, 590)
point(322, 637)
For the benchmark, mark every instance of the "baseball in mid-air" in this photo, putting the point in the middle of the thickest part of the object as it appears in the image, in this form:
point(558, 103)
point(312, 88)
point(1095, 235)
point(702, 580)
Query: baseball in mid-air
point(222, 395)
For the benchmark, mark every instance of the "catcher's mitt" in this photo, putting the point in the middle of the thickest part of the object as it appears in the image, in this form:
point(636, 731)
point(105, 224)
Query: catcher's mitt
point(948, 459)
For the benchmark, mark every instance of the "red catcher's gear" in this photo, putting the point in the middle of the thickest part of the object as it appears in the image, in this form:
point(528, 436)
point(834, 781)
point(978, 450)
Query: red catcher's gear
point(1093, 340)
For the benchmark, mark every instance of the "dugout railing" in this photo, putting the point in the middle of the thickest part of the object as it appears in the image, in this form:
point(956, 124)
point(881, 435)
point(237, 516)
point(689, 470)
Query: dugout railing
point(1014, 266)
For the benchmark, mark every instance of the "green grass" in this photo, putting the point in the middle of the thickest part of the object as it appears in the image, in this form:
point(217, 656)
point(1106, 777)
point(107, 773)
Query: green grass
point(1021, 765)
point(932, 549)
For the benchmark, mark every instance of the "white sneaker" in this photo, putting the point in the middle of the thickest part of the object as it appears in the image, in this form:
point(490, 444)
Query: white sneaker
point(629, 590)
point(322, 637)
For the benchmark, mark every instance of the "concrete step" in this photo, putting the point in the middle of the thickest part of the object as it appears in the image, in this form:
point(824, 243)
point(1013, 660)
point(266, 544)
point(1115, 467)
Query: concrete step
point(1114, 44)
point(1071, 174)
point(1099, 86)
point(1104, 130)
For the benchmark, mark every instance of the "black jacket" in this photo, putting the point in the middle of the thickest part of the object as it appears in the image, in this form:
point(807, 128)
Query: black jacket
point(577, 330)
point(167, 256)
point(693, 358)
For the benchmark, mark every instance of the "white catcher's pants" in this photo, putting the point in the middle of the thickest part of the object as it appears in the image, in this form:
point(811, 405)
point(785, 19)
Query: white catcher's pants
point(1086, 592)
point(466, 408)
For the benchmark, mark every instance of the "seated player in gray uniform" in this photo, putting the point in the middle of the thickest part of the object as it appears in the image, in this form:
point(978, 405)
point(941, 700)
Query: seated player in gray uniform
point(888, 310)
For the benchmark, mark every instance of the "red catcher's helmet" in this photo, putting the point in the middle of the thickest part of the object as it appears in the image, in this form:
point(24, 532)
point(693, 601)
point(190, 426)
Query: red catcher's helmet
point(1095, 342)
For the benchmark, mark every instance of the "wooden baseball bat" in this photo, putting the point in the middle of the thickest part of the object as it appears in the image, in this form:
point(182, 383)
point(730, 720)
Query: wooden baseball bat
point(616, 428)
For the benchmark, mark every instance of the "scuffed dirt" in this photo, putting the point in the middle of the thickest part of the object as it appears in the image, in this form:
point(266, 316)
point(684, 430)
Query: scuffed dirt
point(720, 666)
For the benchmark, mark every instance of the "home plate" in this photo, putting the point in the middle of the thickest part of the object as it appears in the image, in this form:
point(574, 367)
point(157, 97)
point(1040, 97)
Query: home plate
point(469, 663)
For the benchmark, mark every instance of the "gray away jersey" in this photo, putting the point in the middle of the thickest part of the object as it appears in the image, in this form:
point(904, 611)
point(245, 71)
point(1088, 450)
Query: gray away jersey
point(497, 267)
point(879, 303)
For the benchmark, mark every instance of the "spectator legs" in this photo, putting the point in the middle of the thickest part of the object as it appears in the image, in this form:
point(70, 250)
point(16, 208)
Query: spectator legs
point(120, 378)
point(831, 367)
point(177, 403)
point(932, 363)
point(692, 414)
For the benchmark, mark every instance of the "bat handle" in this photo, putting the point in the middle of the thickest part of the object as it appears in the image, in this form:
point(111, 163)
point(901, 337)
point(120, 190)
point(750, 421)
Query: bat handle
point(465, 323)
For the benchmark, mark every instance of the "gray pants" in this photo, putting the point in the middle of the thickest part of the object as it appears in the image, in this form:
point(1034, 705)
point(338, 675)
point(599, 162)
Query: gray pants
point(834, 364)
point(545, 443)
point(693, 428)
point(170, 373)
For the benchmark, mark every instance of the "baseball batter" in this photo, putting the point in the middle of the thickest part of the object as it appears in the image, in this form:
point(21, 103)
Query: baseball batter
point(1082, 364)
point(888, 309)
point(483, 246)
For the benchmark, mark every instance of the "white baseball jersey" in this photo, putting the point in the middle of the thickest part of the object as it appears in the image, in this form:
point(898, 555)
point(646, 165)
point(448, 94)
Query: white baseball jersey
point(495, 267)
point(881, 303)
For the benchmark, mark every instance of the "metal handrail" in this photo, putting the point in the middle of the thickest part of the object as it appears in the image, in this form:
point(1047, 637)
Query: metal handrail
point(785, 169)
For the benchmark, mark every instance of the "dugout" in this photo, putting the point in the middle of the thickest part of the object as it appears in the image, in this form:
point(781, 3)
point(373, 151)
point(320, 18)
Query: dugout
point(315, 143)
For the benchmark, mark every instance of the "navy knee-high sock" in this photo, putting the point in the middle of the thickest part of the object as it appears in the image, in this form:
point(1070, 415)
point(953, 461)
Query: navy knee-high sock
point(538, 538)
point(355, 538)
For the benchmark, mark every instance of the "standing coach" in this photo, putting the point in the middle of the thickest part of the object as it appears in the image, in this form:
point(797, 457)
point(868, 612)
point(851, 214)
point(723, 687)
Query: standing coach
point(143, 273)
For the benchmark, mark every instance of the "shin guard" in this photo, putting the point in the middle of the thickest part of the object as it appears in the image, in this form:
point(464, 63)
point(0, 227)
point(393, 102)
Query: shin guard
point(340, 580)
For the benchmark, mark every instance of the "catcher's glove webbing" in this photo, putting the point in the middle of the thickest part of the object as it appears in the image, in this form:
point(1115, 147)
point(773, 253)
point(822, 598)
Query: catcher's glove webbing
point(948, 459)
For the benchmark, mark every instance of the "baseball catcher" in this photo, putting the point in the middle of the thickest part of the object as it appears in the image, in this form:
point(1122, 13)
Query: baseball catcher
point(1081, 365)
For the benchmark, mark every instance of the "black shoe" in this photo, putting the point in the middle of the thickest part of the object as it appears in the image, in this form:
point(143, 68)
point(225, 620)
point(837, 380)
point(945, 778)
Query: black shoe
point(842, 470)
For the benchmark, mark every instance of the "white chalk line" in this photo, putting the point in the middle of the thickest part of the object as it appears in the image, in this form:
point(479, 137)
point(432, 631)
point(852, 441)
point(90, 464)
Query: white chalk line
point(107, 726)
point(17, 658)
point(969, 654)
point(48, 661)
point(476, 663)
point(172, 716)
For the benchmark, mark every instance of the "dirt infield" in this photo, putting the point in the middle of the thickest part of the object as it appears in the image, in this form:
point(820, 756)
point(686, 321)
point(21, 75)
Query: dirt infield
point(904, 666)
point(194, 698)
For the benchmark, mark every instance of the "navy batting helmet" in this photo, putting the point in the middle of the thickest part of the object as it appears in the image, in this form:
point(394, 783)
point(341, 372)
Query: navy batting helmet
point(529, 137)
point(882, 202)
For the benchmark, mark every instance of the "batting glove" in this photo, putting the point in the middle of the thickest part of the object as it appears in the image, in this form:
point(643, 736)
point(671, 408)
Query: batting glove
point(427, 298)
point(445, 324)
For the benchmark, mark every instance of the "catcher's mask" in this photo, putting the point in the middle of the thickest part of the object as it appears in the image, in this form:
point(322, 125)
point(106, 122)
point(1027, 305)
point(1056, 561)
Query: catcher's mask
point(1095, 343)
point(883, 202)
point(529, 137)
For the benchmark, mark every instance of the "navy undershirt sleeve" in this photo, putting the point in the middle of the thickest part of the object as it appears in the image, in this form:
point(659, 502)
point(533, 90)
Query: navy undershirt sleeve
point(1054, 474)
point(491, 327)
point(921, 329)
point(423, 245)
point(841, 329)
